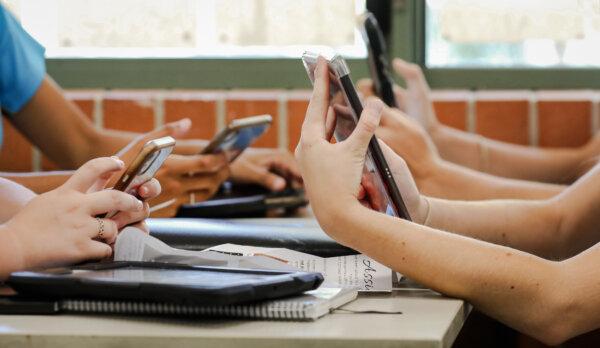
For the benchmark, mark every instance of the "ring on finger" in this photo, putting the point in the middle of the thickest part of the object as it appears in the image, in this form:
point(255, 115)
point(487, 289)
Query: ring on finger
point(100, 228)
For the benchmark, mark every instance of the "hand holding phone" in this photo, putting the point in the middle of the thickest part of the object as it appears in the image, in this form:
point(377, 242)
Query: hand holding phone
point(378, 58)
point(238, 136)
point(145, 165)
point(377, 176)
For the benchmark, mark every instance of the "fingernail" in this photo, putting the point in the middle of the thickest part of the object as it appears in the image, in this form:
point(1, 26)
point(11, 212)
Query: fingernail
point(185, 124)
point(144, 191)
point(374, 103)
point(279, 183)
point(140, 205)
point(118, 160)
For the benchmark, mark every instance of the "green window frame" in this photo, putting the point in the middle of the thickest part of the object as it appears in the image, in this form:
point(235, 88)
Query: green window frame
point(409, 32)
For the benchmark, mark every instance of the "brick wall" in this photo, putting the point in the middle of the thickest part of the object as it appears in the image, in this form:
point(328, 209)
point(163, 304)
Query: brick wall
point(544, 118)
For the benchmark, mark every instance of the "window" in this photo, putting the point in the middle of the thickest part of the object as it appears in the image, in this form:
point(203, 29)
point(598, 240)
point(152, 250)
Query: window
point(512, 33)
point(190, 28)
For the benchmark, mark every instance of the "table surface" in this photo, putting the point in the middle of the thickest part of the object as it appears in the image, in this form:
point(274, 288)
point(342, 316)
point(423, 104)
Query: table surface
point(427, 319)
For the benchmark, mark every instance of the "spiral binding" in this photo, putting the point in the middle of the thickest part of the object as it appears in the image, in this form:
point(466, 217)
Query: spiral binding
point(279, 310)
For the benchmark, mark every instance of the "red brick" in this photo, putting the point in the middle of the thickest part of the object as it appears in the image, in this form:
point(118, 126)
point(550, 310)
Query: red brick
point(86, 105)
point(452, 113)
point(296, 110)
point(237, 107)
point(203, 114)
point(504, 120)
point(133, 113)
point(564, 123)
point(16, 152)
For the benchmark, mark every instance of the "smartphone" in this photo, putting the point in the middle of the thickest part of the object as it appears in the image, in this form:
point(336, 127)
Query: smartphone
point(238, 135)
point(377, 178)
point(378, 58)
point(144, 166)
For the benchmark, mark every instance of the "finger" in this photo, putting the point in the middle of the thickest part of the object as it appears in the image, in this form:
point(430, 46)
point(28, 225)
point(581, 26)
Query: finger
point(330, 123)
point(87, 175)
point(95, 250)
point(195, 164)
point(394, 161)
point(210, 182)
point(123, 218)
point(366, 87)
point(111, 200)
point(103, 229)
point(367, 125)
point(174, 129)
point(408, 71)
point(314, 122)
point(401, 97)
point(149, 189)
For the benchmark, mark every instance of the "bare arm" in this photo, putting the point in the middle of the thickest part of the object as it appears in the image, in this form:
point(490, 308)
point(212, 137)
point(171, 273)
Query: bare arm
point(39, 182)
point(551, 301)
point(13, 198)
point(558, 165)
point(476, 152)
point(437, 177)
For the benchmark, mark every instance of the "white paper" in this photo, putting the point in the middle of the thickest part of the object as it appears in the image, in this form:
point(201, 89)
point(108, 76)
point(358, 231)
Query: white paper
point(354, 271)
point(135, 245)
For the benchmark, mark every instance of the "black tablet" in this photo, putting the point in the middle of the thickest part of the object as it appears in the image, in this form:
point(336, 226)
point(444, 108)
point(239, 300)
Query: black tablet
point(245, 201)
point(161, 282)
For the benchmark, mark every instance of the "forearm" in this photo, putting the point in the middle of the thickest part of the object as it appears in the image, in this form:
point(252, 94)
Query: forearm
point(39, 182)
point(451, 181)
point(13, 198)
point(508, 160)
point(507, 284)
point(530, 226)
point(11, 256)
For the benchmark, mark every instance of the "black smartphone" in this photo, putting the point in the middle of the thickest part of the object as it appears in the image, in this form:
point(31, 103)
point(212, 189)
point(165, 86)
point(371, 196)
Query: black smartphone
point(238, 136)
point(378, 58)
point(377, 179)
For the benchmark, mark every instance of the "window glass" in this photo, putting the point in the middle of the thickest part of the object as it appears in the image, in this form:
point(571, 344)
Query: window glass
point(512, 33)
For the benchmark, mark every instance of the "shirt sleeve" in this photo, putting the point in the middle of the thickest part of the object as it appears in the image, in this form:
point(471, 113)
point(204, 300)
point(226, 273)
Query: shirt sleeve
point(22, 65)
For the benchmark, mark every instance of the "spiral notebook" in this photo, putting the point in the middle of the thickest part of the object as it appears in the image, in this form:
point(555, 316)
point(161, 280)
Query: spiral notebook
point(309, 306)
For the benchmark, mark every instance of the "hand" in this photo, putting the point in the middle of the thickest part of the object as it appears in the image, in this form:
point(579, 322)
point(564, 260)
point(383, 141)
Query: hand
point(415, 100)
point(271, 168)
point(409, 140)
point(180, 176)
point(59, 227)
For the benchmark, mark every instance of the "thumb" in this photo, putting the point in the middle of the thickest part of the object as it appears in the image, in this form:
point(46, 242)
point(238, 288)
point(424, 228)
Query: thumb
point(175, 129)
point(365, 87)
point(367, 125)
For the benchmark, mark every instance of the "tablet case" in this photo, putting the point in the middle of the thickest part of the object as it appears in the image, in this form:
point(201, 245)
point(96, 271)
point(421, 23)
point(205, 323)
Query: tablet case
point(200, 234)
point(162, 282)
point(245, 200)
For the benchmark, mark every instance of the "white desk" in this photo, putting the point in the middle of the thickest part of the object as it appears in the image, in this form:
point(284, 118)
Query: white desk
point(428, 320)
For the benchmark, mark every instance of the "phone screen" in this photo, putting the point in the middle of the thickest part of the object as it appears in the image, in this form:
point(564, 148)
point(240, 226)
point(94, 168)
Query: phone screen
point(237, 141)
point(346, 105)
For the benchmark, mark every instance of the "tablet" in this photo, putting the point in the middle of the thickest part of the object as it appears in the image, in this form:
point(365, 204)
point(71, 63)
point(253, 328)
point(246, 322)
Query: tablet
point(163, 282)
point(245, 201)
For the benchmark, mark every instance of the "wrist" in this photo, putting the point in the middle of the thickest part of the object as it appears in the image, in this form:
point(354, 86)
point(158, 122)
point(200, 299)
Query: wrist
point(333, 217)
point(12, 258)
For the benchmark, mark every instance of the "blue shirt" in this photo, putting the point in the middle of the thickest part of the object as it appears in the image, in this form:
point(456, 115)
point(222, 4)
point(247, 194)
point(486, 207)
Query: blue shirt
point(22, 66)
